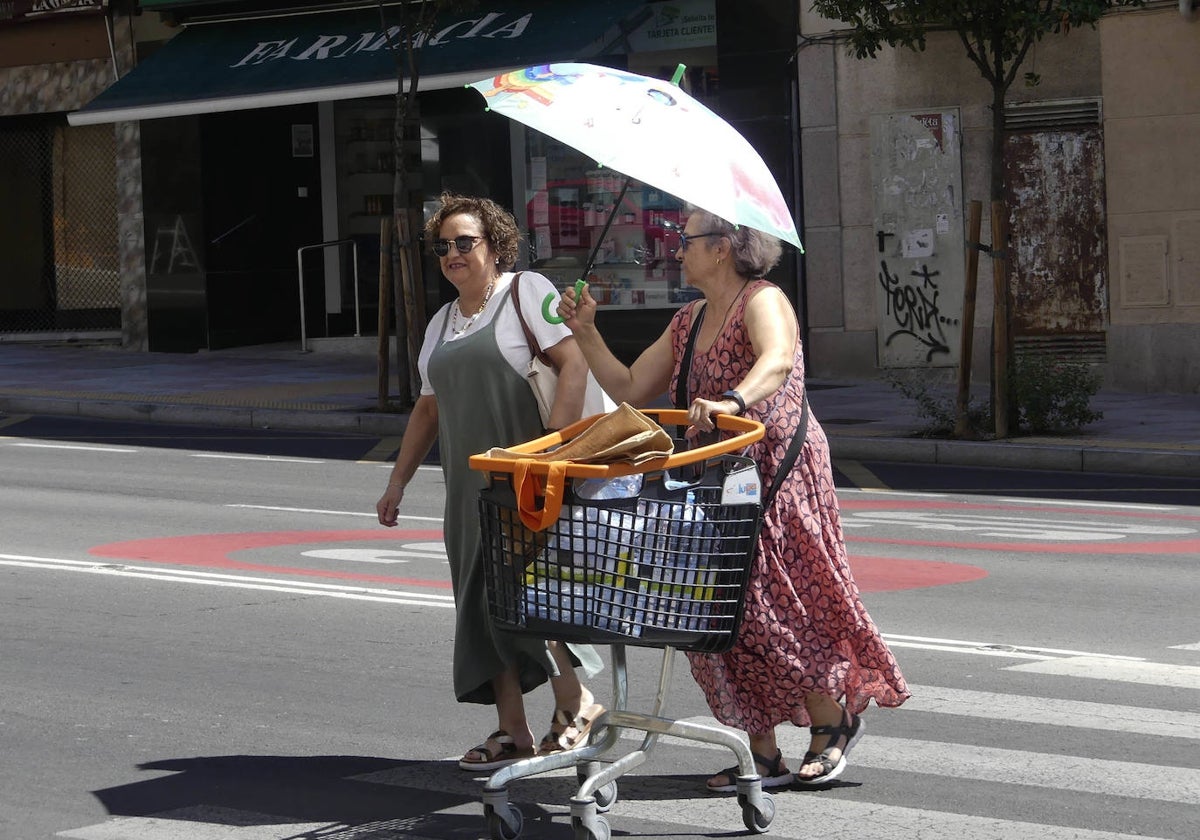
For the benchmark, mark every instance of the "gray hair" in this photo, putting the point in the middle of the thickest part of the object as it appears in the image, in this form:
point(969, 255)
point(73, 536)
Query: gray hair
point(754, 252)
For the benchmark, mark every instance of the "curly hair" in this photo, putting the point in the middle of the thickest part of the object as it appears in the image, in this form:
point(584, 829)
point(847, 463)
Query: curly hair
point(754, 252)
point(499, 227)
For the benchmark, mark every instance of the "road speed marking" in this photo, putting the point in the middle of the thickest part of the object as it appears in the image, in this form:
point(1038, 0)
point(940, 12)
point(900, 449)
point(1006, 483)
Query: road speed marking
point(1013, 527)
point(410, 551)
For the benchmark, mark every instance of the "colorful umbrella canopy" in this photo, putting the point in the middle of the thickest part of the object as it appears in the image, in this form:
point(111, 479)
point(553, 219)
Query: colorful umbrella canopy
point(649, 130)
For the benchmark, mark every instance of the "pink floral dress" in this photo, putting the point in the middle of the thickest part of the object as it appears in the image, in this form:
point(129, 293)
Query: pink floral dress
point(805, 628)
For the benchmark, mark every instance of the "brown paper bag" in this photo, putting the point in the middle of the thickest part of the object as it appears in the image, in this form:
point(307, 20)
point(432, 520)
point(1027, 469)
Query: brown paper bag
point(624, 435)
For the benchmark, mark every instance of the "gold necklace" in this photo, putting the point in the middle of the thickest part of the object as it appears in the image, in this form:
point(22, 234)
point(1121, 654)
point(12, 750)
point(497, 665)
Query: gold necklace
point(454, 315)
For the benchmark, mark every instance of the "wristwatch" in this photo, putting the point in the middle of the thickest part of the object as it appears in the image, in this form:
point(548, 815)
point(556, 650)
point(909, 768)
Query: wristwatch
point(737, 398)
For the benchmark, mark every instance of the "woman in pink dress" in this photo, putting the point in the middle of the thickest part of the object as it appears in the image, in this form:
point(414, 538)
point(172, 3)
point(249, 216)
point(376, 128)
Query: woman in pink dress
point(807, 653)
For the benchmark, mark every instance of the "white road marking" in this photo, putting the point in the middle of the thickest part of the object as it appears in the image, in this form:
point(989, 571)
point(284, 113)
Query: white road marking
point(661, 798)
point(1067, 503)
point(1011, 527)
point(274, 458)
point(1050, 711)
point(333, 512)
point(1143, 673)
point(1018, 500)
point(1195, 646)
point(73, 446)
point(1004, 654)
point(377, 555)
point(893, 638)
point(205, 822)
point(1023, 767)
point(356, 593)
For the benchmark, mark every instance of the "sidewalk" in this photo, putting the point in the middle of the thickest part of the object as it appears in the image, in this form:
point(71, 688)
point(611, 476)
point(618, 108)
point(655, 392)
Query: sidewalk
point(333, 388)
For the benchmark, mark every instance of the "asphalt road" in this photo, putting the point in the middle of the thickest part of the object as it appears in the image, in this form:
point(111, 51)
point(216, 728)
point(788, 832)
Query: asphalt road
point(206, 634)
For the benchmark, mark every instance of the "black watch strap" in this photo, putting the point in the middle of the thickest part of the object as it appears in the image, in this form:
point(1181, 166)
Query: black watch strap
point(737, 398)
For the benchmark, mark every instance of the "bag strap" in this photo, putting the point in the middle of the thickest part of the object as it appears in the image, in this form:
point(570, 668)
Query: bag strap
point(685, 367)
point(533, 345)
point(789, 460)
point(798, 438)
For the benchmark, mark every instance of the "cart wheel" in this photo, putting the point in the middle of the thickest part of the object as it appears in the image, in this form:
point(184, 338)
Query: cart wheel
point(606, 796)
point(595, 829)
point(755, 820)
point(504, 826)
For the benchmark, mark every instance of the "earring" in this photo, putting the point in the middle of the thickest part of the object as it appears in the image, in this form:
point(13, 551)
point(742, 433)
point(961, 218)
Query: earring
point(719, 260)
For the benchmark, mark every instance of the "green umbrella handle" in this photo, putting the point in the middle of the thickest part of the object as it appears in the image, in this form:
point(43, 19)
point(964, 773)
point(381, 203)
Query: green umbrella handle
point(549, 299)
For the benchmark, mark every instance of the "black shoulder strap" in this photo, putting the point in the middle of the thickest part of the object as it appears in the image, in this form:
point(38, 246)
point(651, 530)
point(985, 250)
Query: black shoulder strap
point(798, 438)
point(789, 460)
point(685, 367)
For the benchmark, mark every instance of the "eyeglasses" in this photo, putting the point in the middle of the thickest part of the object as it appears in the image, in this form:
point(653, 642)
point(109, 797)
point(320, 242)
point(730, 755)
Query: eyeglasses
point(464, 244)
point(684, 238)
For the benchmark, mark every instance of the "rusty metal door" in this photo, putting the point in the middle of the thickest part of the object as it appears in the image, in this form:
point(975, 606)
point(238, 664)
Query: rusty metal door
point(1059, 277)
point(916, 169)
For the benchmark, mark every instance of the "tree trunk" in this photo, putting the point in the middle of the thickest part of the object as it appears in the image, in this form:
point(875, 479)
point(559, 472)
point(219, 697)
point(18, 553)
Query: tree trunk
point(1002, 407)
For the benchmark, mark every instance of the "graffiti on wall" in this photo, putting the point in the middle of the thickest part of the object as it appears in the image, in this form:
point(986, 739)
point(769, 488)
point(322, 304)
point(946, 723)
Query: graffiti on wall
point(912, 309)
point(917, 185)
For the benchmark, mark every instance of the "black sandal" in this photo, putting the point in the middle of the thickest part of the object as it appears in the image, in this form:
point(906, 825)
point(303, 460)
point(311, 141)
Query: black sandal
point(830, 769)
point(773, 778)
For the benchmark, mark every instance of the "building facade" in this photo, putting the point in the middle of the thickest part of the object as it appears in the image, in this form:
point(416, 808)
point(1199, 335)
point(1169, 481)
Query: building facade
point(229, 207)
point(263, 151)
point(1103, 200)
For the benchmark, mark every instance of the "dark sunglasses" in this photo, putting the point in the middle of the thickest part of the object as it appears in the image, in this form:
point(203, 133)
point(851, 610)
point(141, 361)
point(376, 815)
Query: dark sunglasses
point(684, 238)
point(464, 244)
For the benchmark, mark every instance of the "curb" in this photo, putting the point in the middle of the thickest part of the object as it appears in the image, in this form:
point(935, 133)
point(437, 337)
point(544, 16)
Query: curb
point(1180, 461)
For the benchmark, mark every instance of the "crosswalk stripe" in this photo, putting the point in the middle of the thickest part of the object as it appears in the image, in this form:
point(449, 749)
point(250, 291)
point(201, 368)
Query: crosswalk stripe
point(797, 814)
point(205, 822)
point(1142, 673)
point(1018, 767)
point(804, 816)
point(1078, 714)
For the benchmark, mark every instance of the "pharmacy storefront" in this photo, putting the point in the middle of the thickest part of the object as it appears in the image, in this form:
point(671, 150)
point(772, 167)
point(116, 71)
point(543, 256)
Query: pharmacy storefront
point(262, 140)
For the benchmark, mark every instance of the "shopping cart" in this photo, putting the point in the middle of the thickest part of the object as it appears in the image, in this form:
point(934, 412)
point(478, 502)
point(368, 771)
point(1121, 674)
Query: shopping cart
point(655, 555)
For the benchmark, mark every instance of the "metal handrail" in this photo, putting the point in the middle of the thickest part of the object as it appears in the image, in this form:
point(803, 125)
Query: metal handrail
point(300, 269)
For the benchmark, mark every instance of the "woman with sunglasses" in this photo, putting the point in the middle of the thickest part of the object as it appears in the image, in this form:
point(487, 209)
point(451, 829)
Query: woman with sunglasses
point(474, 396)
point(807, 652)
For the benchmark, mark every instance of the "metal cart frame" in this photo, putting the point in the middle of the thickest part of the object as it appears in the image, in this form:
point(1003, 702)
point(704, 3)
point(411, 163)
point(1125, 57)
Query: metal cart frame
point(689, 573)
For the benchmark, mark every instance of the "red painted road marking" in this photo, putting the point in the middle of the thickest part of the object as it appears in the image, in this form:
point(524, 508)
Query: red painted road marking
point(213, 551)
point(873, 574)
point(889, 574)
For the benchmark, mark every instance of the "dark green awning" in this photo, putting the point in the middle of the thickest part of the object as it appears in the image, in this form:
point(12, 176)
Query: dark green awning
point(266, 62)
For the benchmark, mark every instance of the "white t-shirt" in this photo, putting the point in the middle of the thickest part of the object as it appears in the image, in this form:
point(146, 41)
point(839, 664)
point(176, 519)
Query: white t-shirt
point(509, 335)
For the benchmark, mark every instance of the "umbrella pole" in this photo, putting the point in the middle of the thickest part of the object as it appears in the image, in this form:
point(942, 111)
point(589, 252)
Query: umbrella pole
point(587, 269)
point(591, 261)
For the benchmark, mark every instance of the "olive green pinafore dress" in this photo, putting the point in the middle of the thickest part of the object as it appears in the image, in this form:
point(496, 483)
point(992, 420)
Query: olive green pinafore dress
point(483, 402)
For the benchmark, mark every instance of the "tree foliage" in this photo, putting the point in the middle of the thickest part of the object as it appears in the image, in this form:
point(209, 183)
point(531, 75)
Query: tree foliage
point(996, 35)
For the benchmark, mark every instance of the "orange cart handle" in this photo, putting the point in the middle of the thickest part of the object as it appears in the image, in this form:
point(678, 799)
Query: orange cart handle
point(748, 432)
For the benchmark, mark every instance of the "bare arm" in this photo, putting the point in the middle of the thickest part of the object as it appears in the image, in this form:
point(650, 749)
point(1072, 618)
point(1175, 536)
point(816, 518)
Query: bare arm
point(638, 384)
point(419, 435)
point(572, 382)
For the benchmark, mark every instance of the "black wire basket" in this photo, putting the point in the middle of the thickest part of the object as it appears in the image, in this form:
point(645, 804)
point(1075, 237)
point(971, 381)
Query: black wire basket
point(656, 559)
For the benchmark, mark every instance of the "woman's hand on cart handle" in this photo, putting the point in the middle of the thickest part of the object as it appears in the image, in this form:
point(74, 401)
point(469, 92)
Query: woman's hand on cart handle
point(702, 413)
point(388, 506)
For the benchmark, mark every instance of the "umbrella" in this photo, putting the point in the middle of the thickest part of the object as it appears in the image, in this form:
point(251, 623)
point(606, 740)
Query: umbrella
point(649, 130)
